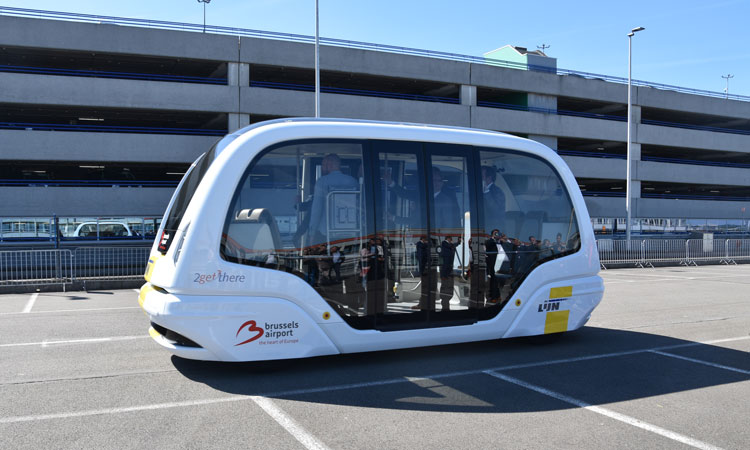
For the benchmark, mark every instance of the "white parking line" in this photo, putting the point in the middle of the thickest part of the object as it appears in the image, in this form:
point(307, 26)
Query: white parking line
point(76, 341)
point(339, 387)
point(606, 412)
point(699, 361)
point(52, 311)
point(292, 427)
point(98, 412)
point(30, 303)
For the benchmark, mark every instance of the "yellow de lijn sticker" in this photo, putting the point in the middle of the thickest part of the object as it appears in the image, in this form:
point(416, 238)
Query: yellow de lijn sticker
point(326, 315)
point(556, 322)
point(561, 292)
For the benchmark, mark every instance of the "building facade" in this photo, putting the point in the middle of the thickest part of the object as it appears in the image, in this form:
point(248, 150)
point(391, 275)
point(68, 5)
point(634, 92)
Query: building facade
point(98, 121)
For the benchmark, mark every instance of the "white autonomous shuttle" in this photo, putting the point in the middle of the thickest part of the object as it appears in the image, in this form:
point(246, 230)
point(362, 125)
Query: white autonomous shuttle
point(306, 237)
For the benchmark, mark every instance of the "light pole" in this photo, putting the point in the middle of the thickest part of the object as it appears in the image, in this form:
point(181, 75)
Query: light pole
point(317, 61)
point(204, 12)
point(630, 119)
point(727, 77)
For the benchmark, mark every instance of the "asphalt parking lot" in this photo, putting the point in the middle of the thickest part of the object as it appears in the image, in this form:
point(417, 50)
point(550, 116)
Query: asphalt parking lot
point(663, 363)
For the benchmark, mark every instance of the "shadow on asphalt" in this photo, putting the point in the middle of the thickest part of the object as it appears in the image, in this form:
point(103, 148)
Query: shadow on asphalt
point(595, 381)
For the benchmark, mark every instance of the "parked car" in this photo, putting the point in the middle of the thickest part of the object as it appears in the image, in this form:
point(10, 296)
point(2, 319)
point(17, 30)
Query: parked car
point(106, 230)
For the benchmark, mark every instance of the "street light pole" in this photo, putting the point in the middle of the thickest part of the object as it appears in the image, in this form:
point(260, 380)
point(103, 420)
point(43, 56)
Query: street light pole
point(630, 119)
point(317, 61)
point(726, 90)
point(204, 12)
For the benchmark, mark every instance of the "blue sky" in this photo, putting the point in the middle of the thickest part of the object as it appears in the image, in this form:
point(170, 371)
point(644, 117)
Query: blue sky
point(686, 43)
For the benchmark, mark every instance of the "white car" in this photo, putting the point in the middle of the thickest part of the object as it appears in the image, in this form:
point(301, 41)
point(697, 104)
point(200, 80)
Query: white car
point(106, 229)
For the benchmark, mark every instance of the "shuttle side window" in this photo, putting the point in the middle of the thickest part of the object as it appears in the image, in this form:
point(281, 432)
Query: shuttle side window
point(528, 207)
point(299, 208)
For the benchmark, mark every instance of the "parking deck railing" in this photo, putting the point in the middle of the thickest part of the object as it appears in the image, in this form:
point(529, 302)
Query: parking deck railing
point(290, 37)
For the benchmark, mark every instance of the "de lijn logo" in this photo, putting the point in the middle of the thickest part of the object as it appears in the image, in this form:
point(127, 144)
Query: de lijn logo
point(274, 333)
point(255, 331)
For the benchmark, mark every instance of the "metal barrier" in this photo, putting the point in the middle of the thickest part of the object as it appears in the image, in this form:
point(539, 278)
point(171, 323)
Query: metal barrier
point(36, 267)
point(63, 266)
point(617, 252)
point(110, 263)
point(737, 250)
point(644, 252)
point(705, 250)
point(665, 251)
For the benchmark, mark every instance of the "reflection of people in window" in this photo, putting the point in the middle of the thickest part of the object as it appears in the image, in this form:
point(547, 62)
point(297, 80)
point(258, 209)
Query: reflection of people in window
point(445, 205)
point(331, 180)
point(559, 246)
point(494, 199)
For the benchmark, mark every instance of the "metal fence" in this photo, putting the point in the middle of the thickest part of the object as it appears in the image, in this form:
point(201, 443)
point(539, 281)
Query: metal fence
point(64, 266)
point(36, 267)
point(646, 252)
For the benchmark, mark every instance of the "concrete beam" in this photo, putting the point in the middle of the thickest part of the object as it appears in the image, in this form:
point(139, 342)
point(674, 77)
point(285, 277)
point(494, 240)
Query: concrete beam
point(583, 167)
point(678, 101)
point(108, 38)
point(547, 124)
point(548, 84)
point(691, 209)
point(341, 59)
point(685, 173)
point(34, 145)
point(38, 201)
point(704, 140)
point(292, 103)
point(110, 93)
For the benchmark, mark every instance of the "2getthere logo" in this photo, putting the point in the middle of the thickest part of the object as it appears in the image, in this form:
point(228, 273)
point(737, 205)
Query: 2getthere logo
point(252, 327)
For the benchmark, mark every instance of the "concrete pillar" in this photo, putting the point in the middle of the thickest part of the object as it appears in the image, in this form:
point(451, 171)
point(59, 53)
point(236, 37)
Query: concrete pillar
point(468, 95)
point(636, 120)
point(238, 74)
point(549, 141)
point(542, 101)
point(237, 121)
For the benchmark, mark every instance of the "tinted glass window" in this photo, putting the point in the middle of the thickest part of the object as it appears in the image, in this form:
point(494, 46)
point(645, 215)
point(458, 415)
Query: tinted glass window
point(184, 195)
point(299, 208)
point(397, 235)
point(527, 216)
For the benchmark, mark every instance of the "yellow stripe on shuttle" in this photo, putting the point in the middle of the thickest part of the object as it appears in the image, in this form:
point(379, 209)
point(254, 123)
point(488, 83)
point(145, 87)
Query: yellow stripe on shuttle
point(556, 322)
point(150, 268)
point(145, 289)
point(561, 292)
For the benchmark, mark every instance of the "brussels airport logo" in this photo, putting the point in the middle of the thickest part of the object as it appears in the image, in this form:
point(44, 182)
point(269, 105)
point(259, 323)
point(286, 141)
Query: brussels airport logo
point(252, 329)
point(274, 333)
point(551, 304)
